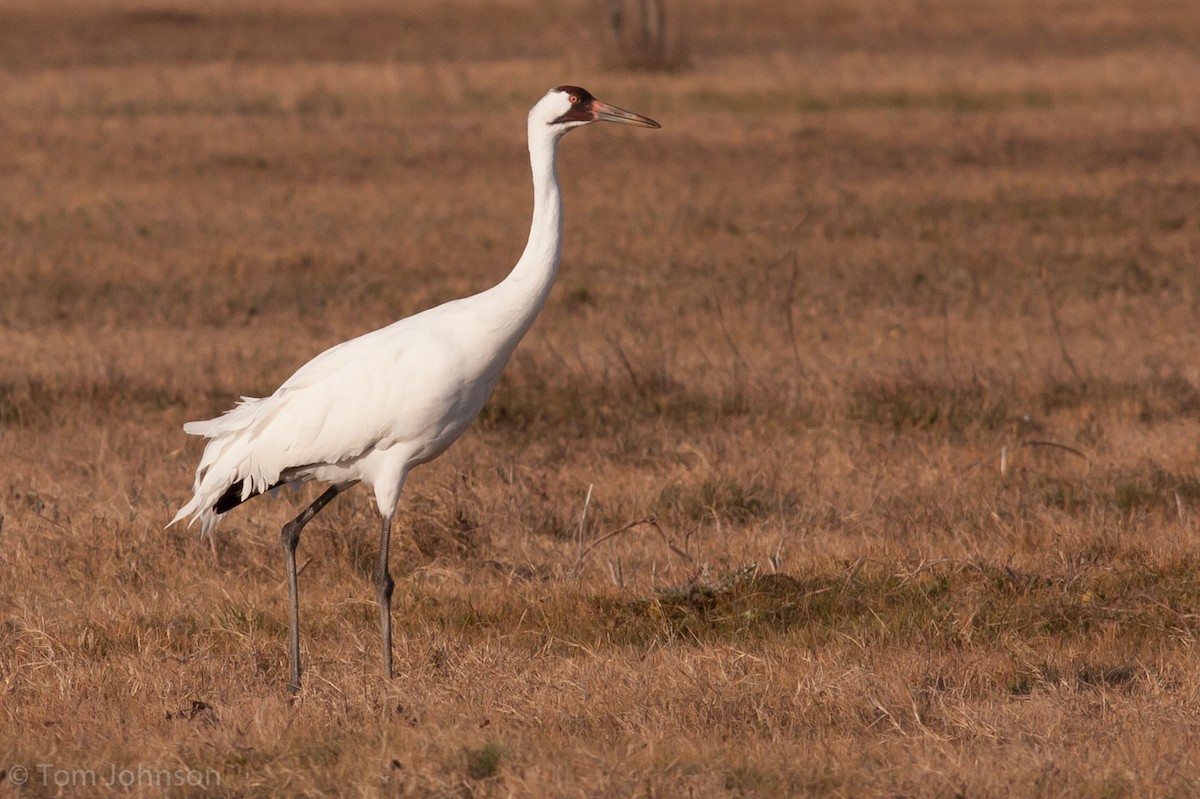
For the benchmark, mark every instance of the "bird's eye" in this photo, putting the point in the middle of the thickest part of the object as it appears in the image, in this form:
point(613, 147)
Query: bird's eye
point(573, 99)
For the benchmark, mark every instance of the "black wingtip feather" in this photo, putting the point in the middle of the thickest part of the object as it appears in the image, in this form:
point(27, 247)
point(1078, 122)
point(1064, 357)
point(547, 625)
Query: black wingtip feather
point(233, 497)
point(230, 499)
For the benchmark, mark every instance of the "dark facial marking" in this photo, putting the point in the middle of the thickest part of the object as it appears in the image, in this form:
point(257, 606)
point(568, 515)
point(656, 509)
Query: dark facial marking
point(581, 105)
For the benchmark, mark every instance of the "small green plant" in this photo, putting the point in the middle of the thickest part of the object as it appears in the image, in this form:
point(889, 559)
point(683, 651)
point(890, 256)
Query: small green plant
point(484, 763)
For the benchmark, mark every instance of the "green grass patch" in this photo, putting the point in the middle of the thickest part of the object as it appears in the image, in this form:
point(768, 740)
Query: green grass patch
point(950, 605)
point(918, 404)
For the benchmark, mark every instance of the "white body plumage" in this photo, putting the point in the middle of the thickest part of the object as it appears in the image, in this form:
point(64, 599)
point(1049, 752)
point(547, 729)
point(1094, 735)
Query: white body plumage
point(366, 410)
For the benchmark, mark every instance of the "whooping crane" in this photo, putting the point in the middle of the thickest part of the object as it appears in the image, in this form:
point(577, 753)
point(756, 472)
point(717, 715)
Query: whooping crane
point(370, 409)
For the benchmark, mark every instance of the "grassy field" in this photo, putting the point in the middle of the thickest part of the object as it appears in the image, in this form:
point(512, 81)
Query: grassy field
point(854, 454)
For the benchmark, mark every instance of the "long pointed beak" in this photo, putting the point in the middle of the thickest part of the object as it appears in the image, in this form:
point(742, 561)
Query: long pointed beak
point(610, 113)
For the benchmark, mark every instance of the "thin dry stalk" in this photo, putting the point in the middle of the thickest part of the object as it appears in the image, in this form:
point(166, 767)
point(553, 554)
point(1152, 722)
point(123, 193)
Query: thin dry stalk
point(1056, 325)
point(579, 534)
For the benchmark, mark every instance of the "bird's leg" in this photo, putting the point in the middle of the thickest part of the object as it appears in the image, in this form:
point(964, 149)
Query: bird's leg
point(290, 536)
point(383, 592)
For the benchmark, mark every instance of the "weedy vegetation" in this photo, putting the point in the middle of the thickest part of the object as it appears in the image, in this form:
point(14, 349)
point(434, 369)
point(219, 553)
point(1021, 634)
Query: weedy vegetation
point(854, 454)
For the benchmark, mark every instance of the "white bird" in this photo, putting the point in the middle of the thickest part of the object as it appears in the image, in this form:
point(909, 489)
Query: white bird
point(370, 409)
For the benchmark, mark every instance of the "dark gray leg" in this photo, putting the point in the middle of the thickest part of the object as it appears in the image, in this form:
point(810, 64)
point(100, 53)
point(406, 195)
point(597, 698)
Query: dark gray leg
point(383, 592)
point(290, 536)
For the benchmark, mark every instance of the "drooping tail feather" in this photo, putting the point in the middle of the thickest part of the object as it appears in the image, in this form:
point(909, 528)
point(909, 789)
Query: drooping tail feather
point(228, 473)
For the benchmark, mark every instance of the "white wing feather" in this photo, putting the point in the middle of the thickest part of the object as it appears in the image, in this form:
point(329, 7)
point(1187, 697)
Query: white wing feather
point(388, 387)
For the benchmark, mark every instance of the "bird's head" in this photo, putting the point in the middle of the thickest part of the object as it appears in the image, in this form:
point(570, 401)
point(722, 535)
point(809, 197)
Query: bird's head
point(567, 107)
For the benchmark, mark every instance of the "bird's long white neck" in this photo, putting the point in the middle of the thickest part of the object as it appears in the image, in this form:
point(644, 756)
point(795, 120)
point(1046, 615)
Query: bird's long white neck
point(521, 295)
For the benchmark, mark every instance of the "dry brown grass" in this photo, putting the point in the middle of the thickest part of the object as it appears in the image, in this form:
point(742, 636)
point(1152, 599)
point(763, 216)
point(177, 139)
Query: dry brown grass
point(913, 534)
